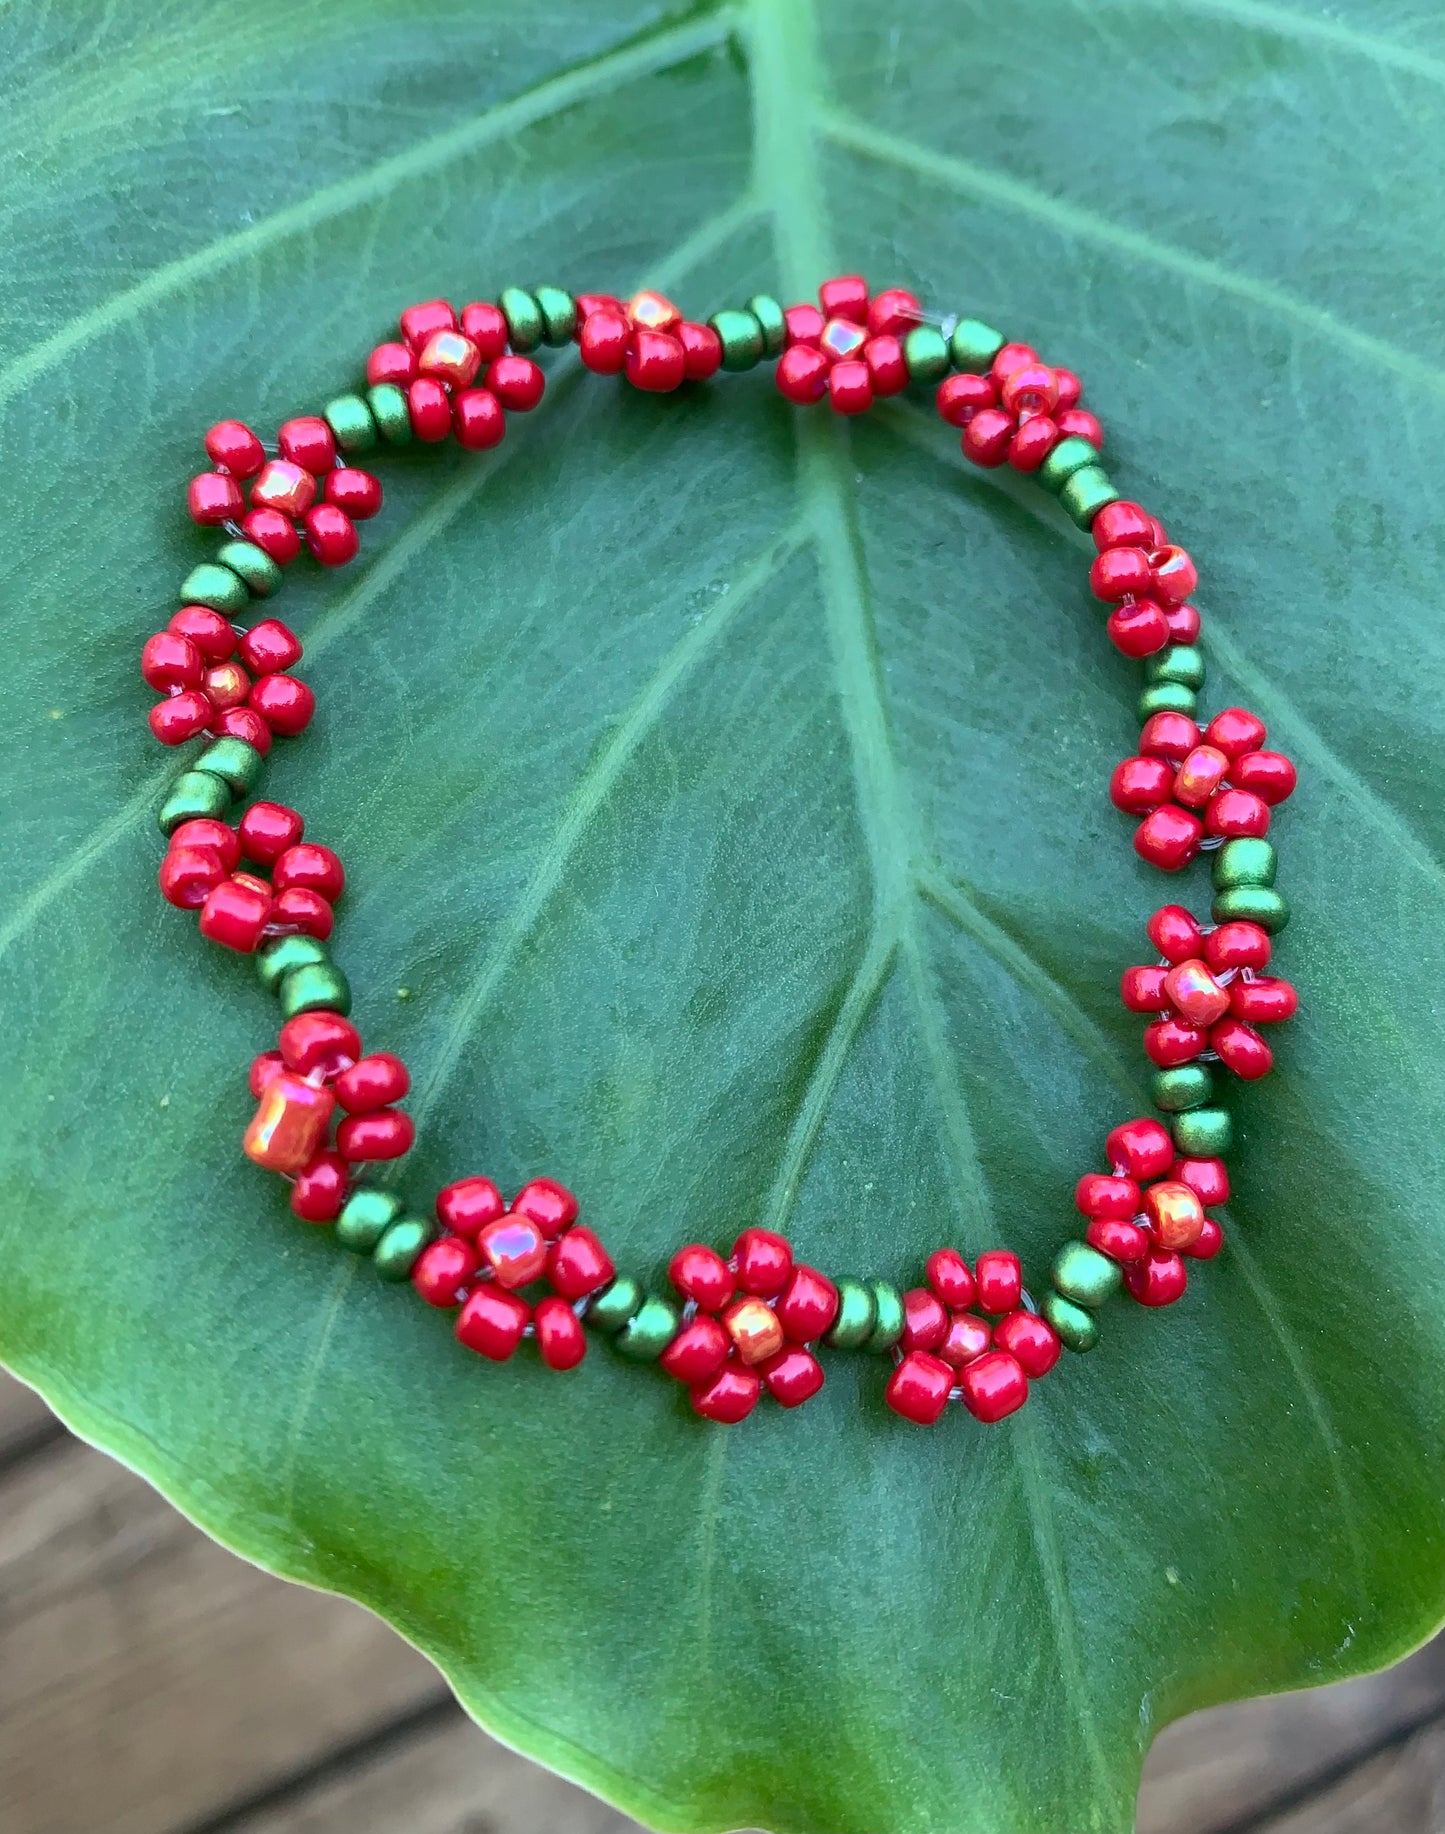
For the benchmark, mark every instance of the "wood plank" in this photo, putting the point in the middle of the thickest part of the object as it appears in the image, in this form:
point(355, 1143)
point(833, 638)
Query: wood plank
point(1402, 1791)
point(24, 1418)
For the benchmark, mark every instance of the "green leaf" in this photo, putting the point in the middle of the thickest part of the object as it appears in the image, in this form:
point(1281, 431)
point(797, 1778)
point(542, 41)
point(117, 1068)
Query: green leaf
point(723, 786)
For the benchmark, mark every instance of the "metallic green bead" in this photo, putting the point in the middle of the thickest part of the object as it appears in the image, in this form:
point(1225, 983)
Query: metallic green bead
point(234, 762)
point(769, 314)
point(741, 337)
point(610, 1309)
point(193, 794)
point(559, 314)
point(974, 345)
point(315, 987)
point(1086, 493)
point(255, 566)
point(1181, 662)
point(390, 412)
point(1084, 1275)
point(395, 1254)
point(1167, 697)
point(857, 1317)
point(1251, 904)
point(216, 587)
point(1245, 860)
point(1070, 455)
point(525, 325)
point(648, 1332)
point(1203, 1133)
point(1187, 1085)
point(888, 1317)
point(925, 351)
point(283, 955)
point(365, 1218)
point(1078, 1330)
point(352, 422)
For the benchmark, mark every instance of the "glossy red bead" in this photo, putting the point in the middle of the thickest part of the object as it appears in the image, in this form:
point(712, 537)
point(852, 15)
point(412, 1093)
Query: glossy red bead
point(702, 350)
point(951, 1278)
point(1119, 573)
point(467, 1205)
point(486, 325)
point(170, 661)
point(887, 366)
point(492, 1322)
point(845, 296)
point(793, 1376)
point(701, 1274)
point(656, 362)
point(960, 397)
point(603, 342)
point(808, 1305)
point(1235, 731)
point(802, 375)
point(1138, 785)
point(443, 1269)
point(331, 535)
point(1269, 774)
point(319, 1042)
point(1207, 1244)
point(1237, 945)
point(1232, 813)
point(1033, 443)
point(1174, 933)
point(1168, 838)
point(245, 724)
point(386, 1134)
point(1174, 574)
point(1263, 1001)
point(372, 1082)
point(561, 1341)
point(987, 436)
point(1123, 525)
point(1067, 387)
point(578, 1264)
point(306, 911)
point(893, 312)
point(993, 1387)
point(966, 1337)
point(236, 912)
point(181, 717)
point(919, 1387)
point(803, 324)
point(213, 498)
point(308, 441)
point(1143, 1148)
point(1184, 623)
point(1011, 357)
point(430, 409)
point(1142, 989)
point(212, 634)
point(730, 1396)
point(266, 830)
point(1169, 735)
point(274, 533)
point(269, 647)
point(1171, 1041)
point(1241, 1049)
point(763, 1262)
point(550, 1205)
point(1159, 1279)
point(925, 1319)
point(232, 443)
point(1138, 628)
point(478, 420)
point(1100, 1194)
point(311, 865)
point(1207, 1178)
point(1120, 1239)
point(517, 382)
point(266, 1066)
point(698, 1351)
point(419, 322)
point(998, 1278)
point(353, 490)
point(1030, 1340)
point(393, 363)
point(1079, 423)
point(850, 387)
point(320, 1188)
point(1029, 390)
point(218, 836)
point(188, 876)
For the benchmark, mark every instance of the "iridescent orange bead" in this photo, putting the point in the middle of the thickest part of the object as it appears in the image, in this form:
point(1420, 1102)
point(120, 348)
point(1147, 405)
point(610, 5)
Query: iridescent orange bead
point(1195, 994)
point(840, 339)
point(289, 1127)
point(1175, 1214)
point(1199, 776)
point(227, 685)
point(450, 357)
point(754, 1329)
point(284, 486)
point(649, 311)
point(515, 1249)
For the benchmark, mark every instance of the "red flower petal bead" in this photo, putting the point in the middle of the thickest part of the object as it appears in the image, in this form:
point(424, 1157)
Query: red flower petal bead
point(355, 491)
point(993, 1387)
point(1029, 389)
point(887, 366)
point(845, 296)
point(925, 1319)
point(1139, 785)
point(319, 1041)
point(730, 1396)
point(1200, 775)
point(274, 534)
point(893, 311)
point(808, 1305)
point(1175, 575)
point(236, 912)
point(1195, 994)
point(1263, 1001)
point(1068, 387)
point(478, 420)
point(1143, 1147)
point(189, 875)
point(578, 1264)
point(284, 486)
point(201, 831)
point(372, 1082)
point(517, 382)
point(269, 647)
point(387, 1134)
point(701, 1274)
point(850, 388)
point(1098, 1195)
point(430, 409)
point(702, 351)
point(656, 362)
point(1207, 1178)
point(331, 535)
point(266, 1066)
point(1169, 735)
point(170, 661)
point(1174, 933)
point(1011, 357)
point(443, 1269)
point(212, 634)
point(1079, 423)
point(987, 436)
point(320, 1188)
point(960, 397)
point(266, 830)
point(1269, 774)
point(311, 865)
point(998, 1278)
point(232, 443)
point(951, 1278)
point(420, 321)
point(492, 1322)
point(1138, 628)
point(468, 1205)
point(1123, 525)
point(394, 363)
point(1119, 1239)
point(181, 717)
point(1159, 1279)
point(802, 375)
point(246, 724)
point(603, 342)
point(1170, 1041)
point(1237, 945)
point(1184, 623)
point(1236, 812)
point(1207, 1244)
point(1030, 1340)
point(919, 1387)
point(486, 325)
point(561, 1341)
point(967, 1337)
point(1169, 838)
point(1142, 990)
point(793, 1376)
point(1241, 1049)
point(803, 324)
point(308, 912)
point(308, 441)
point(214, 498)
point(697, 1352)
point(763, 1262)
point(1235, 732)
point(1033, 443)
point(551, 1206)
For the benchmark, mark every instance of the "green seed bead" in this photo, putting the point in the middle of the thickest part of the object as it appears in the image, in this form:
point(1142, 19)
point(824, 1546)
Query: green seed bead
point(1167, 697)
point(1251, 904)
point(255, 566)
point(856, 1320)
point(395, 1254)
point(741, 337)
point(216, 587)
point(1086, 493)
point(194, 793)
point(283, 955)
point(559, 314)
point(1244, 861)
point(974, 345)
point(888, 1317)
point(1070, 455)
point(769, 314)
point(1179, 662)
point(648, 1332)
point(925, 351)
point(234, 762)
point(610, 1310)
point(365, 1218)
point(1078, 1330)
point(1203, 1133)
point(390, 412)
point(525, 325)
point(1187, 1085)
point(1084, 1275)
point(315, 987)
point(352, 422)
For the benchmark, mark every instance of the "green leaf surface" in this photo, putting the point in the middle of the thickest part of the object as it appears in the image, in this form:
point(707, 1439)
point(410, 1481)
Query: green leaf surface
point(724, 787)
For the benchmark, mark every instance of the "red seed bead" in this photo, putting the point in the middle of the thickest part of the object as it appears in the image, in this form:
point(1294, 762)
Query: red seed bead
point(1141, 784)
point(312, 865)
point(308, 441)
point(1170, 1041)
point(578, 1264)
point(1030, 1340)
point(1169, 735)
point(1174, 573)
point(850, 387)
point(1241, 1049)
point(845, 296)
point(887, 366)
point(246, 724)
point(181, 717)
point(893, 311)
point(1138, 628)
point(1123, 525)
point(1030, 389)
point(214, 498)
point(212, 634)
point(1068, 386)
point(551, 1206)
point(1119, 573)
point(697, 1352)
point(269, 647)
point(1207, 1178)
point(763, 1262)
point(394, 363)
point(959, 398)
point(730, 1396)
point(331, 535)
point(1169, 838)
point(274, 533)
point(951, 1278)
point(1237, 945)
point(925, 1320)
point(236, 913)
point(355, 491)
point(808, 1305)
point(1174, 933)
point(220, 839)
point(267, 830)
point(793, 1376)
point(319, 1042)
point(484, 325)
point(656, 362)
point(919, 1387)
point(1268, 774)
point(1207, 1244)
point(561, 1341)
point(169, 661)
point(478, 420)
point(517, 382)
point(1033, 443)
point(1142, 1147)
point(468, 1205)
point(1200, 775)
point(1159, 1279)
point(803, 325)
point(189, 875)
point(320, 1188)
point(1142, 990)
point(1121, 1240)
point(999, 1280)
point(492, 1322)
point(702, 351)
point(1099, 1195)
point(1011, 357)
point(702, 1275)
point(1183, 623)
point(1263, 1001)
point(232, 443)
point(967, 1337)
point(993, 1387)
point(1079, 423)
point(302, 910)
point(987, 436)
point(443, 1269)
point(227, 685)
point(603, 342)
point(266, 1066)
point(430, 409)
point(387, 1134)
point(372, 1082)
point(420, 321)
point(1236, 812)
point(802, 375)
point(284, 702)
point(1235, 732)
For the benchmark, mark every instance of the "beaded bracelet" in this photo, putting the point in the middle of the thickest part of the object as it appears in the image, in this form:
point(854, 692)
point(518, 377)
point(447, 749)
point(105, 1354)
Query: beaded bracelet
point(753, 1321)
